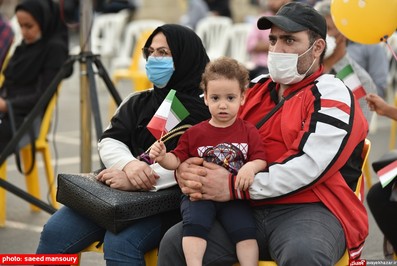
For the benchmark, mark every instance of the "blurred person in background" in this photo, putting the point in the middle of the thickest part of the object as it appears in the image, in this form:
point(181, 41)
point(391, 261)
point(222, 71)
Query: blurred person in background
point(373, 58)
point(114, 6)
point(6, 37)
point(258, 40)
point(34, 63)
point(380, 201)
point(337, 57)
point(220, 8)
point(196, 10)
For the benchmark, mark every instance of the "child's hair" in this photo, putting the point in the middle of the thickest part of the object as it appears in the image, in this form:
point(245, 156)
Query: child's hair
point(227, 68)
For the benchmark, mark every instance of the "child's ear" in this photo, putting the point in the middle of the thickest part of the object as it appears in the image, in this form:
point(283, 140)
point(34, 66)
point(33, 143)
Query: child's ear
point(205, 98)
point(242, 98)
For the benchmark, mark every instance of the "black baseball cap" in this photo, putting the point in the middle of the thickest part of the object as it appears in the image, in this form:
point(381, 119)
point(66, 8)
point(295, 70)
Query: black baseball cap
point(294, 17)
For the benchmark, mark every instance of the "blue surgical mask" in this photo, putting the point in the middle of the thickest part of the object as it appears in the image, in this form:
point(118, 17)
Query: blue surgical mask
point(159, 70)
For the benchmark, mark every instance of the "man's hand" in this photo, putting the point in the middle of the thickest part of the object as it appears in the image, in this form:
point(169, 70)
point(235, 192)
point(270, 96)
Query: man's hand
point(207, 182)
point(189, 174)
point(215, 185)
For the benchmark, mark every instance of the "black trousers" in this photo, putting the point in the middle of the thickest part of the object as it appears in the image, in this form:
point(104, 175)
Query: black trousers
point(384, 211)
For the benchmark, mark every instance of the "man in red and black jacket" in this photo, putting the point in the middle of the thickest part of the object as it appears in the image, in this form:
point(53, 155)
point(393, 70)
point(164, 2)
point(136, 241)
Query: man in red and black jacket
point(306, 210)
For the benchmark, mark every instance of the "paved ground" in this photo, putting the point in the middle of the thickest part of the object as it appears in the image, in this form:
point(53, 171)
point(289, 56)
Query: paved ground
point(23, 227)
point(22, 230)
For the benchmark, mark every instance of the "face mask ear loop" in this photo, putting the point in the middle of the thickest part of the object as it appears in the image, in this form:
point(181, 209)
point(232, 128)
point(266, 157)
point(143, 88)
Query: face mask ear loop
point(313, 60)
point(307, 50)
point(310, 67)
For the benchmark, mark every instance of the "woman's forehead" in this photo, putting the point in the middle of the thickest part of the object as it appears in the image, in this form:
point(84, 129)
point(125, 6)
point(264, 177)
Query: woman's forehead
point(159, 40)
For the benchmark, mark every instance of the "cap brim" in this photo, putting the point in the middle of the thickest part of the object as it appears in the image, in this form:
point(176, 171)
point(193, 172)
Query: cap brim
point(282, 22)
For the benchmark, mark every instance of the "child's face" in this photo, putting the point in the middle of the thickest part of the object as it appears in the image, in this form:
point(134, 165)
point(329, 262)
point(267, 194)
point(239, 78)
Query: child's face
point(223, 98)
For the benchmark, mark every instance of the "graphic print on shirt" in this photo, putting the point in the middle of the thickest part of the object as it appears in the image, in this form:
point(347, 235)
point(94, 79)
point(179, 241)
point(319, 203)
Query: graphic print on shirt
point(229, 155)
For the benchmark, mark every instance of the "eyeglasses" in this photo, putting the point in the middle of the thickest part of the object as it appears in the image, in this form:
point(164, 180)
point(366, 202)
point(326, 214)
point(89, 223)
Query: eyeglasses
point(159, 52)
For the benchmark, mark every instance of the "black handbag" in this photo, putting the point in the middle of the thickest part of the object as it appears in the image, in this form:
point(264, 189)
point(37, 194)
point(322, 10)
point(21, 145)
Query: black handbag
point(115, 209)
point(111, 208)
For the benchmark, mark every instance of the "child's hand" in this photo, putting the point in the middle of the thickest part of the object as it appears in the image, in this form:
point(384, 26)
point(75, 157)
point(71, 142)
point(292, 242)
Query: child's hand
point(157, 151)
point(244, 179)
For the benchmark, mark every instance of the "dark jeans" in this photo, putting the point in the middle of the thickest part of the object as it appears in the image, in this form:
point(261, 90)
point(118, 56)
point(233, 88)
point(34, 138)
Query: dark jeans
point(68, 232)
point(298, 234)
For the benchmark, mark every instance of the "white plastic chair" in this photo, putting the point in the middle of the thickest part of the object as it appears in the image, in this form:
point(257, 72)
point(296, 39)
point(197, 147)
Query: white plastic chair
point(106, 33)
point(132, 32)
point(212, 30)
point(236, 42)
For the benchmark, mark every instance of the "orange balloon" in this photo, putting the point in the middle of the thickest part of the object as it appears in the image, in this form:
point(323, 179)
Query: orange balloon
point(365, 21)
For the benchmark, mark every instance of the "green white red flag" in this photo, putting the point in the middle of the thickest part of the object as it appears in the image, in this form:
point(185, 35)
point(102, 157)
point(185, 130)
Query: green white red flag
point(387, 173)
point(170, 113)
point(351, 80)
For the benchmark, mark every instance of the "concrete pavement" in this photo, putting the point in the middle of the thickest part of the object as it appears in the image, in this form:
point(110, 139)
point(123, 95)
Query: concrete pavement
point(22, 230)
point(23, 227)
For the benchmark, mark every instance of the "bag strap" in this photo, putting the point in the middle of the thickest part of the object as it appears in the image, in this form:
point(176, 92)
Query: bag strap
point(32, 142)
point(171, 134)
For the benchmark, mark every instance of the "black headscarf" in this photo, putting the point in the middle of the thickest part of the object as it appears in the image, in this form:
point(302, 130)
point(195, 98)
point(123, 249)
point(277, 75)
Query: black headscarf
point(27, 62)
point(190, 59)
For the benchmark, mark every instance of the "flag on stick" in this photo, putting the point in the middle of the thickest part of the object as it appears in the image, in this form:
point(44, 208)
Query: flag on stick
point(351, 80)
point(387, 173)
point(170, 113)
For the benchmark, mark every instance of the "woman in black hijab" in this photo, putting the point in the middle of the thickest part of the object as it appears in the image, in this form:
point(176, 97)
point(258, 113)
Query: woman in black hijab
point(35, 62)
point(176, 60)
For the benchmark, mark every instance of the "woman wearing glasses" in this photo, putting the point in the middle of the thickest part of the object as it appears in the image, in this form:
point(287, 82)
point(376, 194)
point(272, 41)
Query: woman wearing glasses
point(176, 59)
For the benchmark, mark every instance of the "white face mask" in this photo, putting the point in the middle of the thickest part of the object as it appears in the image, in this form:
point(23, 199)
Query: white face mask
point(283, 67)
point(331, 44)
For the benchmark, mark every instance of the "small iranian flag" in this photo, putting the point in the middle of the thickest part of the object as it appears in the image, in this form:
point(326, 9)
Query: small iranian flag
point(387, 173)
point(170, 113)
point(351, 80)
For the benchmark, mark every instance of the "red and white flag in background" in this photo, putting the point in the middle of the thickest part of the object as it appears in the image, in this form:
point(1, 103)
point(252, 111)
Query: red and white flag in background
point(387, 173)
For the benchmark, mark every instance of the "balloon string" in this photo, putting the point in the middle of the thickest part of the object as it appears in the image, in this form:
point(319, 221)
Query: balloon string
point(391, 50)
